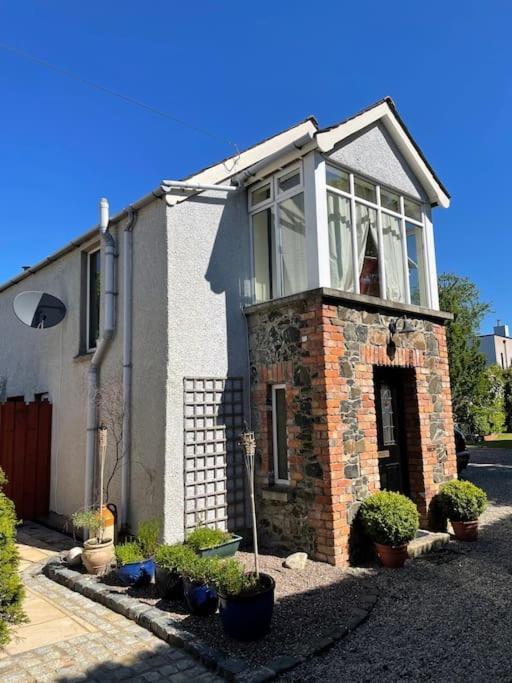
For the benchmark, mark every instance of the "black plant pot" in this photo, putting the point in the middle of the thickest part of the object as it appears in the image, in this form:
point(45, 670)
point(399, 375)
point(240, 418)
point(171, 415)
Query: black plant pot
point(169, 583)
point(201, 599)
point(248, 617)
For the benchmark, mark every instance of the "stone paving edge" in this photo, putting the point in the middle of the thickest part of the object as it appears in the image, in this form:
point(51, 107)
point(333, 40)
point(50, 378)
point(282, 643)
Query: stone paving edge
point(171, 631)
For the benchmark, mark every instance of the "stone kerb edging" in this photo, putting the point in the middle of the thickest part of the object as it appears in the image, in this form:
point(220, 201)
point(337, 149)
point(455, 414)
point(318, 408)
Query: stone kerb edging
point(171, 631)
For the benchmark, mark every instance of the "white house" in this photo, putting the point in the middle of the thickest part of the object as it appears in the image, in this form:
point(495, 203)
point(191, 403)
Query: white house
point(182, 314)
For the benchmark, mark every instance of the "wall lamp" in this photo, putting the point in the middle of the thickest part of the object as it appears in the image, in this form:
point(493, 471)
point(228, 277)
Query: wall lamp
point(401, 325)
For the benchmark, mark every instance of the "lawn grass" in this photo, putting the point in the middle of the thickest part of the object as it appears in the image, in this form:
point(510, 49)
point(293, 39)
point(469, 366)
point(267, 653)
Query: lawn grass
point(498, 441)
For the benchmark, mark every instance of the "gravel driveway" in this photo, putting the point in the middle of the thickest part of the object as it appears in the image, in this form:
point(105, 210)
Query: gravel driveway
point(446, 616)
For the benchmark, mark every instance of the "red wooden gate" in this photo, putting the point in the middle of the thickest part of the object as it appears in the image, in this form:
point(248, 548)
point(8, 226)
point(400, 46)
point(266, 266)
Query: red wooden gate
point(25, 447)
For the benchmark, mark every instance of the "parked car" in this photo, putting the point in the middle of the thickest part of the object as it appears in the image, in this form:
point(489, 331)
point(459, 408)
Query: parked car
point(460, 450)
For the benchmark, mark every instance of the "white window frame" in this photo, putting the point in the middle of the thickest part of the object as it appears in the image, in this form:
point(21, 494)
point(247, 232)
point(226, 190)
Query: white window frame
point(353, 198)
point(277, 480)
point(88, 299)
point(276, 198)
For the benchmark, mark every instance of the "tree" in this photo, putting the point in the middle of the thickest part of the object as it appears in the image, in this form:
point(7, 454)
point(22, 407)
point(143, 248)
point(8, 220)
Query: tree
point(470, 385)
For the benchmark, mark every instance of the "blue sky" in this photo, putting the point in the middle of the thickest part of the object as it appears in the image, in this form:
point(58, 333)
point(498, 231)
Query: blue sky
point(244, 71)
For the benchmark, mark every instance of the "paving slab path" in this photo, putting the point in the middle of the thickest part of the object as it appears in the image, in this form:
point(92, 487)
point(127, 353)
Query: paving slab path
point(70, 638)
point(446, 616)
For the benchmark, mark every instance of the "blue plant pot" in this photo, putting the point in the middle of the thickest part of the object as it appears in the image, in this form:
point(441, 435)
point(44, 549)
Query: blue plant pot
point(201, 599)
point(248, 617)
point(136, 573)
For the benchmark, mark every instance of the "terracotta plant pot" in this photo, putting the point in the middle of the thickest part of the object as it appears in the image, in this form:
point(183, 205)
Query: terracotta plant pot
point(98, 557)
point(392, 556)
point(466, 531)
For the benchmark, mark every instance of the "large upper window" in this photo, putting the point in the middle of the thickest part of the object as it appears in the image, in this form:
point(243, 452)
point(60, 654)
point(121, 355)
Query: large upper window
point(376, 239)
point(93, 298)
point(278, 235)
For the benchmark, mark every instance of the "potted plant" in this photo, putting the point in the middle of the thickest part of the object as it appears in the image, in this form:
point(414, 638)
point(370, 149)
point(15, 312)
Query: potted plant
point(463, 503)
point(170, 561)
point(208, 542)
point(98, 553)
point(199, 575)
point(246, 601)
point(136, 566)
point(391, 520)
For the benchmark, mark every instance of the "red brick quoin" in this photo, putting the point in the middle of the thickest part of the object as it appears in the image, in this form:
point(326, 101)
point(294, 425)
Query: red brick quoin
point(326, 349)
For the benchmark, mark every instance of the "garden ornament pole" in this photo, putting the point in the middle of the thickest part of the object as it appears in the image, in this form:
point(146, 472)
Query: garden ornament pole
point(247, 443)
point(102, 432)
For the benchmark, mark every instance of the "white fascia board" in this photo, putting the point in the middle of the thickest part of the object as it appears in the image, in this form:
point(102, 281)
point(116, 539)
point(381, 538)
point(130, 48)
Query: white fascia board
point(328, 139)
point(237, 163)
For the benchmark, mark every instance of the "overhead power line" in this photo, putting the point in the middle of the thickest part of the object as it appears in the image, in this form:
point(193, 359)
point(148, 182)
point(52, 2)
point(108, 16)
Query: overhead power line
point(108, 91)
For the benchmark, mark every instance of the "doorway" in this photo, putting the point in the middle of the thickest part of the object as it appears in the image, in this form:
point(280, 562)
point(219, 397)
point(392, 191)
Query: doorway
point(391, 437)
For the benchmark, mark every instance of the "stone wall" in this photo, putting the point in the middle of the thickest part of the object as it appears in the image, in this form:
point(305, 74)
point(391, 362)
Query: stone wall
point(326, 351)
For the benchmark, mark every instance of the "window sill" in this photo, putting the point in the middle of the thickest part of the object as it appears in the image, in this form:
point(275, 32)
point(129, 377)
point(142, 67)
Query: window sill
point(279, 492)
point(83, 356)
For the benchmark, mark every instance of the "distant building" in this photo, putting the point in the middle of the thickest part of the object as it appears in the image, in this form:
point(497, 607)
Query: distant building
point(497, 347)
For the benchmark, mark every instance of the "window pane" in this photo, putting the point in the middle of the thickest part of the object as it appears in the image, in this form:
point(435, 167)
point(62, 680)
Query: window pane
point(340, 242)
point(412, 210)
point(393, 258)
point(337, 178)
point(293, 243)
point(416, 265)
point(262, 231)
point(365, 190)
point(260, 195)
point(289, 180)
point(280, 441)
point(94, 299)
point(367, 248)
point(390, 200)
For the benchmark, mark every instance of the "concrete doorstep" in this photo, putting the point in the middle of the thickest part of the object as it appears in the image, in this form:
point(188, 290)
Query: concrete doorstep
point(426, 541)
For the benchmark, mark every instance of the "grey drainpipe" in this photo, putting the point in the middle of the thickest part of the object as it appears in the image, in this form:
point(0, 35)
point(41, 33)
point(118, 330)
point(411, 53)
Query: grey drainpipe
point(101, 348)
point(127, 366)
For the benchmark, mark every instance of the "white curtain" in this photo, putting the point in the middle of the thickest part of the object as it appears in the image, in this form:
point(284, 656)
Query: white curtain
point(393, 258)
point(340, 242)
point(366, 225)
point(293, 242)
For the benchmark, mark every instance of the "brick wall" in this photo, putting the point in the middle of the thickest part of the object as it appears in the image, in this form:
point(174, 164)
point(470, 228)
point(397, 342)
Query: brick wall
point(326, 355)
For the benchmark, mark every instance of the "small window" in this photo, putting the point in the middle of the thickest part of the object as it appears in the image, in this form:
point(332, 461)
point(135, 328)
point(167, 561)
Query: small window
point(390, 200)
point(288, 181)
point(337, 178)
point(280, 442)
point(412, 210)
point(93, 298)
point(365, 190)
point(263, 241)
point(261, 194)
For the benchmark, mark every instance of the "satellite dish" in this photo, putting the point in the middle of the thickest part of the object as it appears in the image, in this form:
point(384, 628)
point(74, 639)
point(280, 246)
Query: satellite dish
point(39, 309)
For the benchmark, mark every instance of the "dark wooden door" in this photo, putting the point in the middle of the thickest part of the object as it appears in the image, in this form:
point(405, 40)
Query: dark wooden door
point(25, 446)
point(391, 445)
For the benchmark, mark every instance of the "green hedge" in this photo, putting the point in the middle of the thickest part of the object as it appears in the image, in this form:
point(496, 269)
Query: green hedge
point(11, 587)
point(389, 518)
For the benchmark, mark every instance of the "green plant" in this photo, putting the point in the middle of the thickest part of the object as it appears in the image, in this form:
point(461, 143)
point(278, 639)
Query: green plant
point(231, 579)
point(173, 557)
point(89, 519)
point(11, 587)
point(128, 552)
point(389, 518)
point(204, 537)
point(203, 570)
point(148, 534)
point(462, 501)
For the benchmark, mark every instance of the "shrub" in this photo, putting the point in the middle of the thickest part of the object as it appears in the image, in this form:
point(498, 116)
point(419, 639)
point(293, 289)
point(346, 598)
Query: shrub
point(173, 557)
point(462, 501)
point(389, 518)
point(11, 587)
point(232, 580)
point(204, 537)
point(201, 569)
point(91, 520)
point(129, 552)
point(148, 534)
